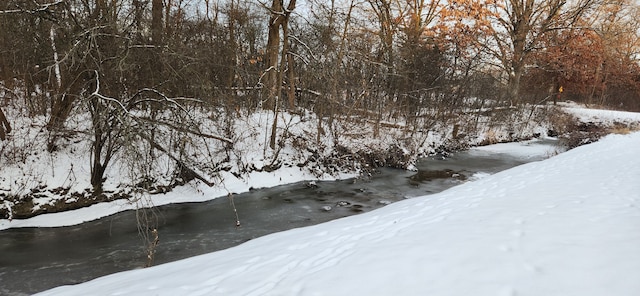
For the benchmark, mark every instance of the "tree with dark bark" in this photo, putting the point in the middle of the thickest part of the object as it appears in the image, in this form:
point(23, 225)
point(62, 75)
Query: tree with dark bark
point(5, 127)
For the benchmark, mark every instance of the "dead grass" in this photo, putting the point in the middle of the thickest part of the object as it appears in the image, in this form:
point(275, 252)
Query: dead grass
point(562, 122)
point(490, 137)
point(624, 129)
point(620, 130)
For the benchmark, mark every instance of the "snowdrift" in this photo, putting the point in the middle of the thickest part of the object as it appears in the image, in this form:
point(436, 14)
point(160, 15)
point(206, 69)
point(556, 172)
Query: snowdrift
point(564, 226)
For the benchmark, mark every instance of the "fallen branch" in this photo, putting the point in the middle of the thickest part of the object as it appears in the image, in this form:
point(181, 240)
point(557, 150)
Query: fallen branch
point(184, 166)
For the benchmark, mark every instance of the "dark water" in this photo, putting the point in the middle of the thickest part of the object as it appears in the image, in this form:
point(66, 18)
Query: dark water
point(36, 259)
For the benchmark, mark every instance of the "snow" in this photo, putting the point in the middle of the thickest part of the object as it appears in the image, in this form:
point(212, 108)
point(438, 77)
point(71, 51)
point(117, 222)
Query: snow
point(193, 193)
point(30, 166)
point(567, 225)
point(599, 115)
point(70, 169)
point(63, 176)
point(530, 149)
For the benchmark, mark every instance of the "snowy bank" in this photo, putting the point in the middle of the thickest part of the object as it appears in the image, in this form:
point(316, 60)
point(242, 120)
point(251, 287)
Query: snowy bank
point(602, 116)
point(564, 226)
point(34, 182)
point(197, 192)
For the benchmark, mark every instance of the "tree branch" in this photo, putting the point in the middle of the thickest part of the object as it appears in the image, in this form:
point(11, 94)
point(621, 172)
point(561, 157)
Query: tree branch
point(42, 8)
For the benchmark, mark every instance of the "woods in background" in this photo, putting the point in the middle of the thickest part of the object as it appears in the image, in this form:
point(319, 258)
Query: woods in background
point(369, 55)
point(136, 67)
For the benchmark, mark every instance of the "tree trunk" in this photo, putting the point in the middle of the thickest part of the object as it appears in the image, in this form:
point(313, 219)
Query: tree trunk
point(230, 57)
point(157, 39)
point(5, 127)
point(513, 89)
point(279, 20)
point(100, 9)
point(272, 52)
point(167, 17)
point(138, 14)
point(98, 145)
point(232, 49)
point(517, 63)
point(382, 8)
point(156, 22)
point(61, 103)
point(291, 90)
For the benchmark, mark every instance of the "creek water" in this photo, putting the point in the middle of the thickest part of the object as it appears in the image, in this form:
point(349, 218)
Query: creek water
point(36, 259)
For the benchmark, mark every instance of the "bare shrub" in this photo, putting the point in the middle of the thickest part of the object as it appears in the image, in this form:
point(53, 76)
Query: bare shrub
point(561, 122)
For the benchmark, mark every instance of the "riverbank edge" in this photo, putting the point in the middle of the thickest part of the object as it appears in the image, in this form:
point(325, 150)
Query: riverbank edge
point(360, 164)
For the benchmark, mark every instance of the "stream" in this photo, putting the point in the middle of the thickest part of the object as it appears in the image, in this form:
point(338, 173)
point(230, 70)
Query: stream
point(37, 259)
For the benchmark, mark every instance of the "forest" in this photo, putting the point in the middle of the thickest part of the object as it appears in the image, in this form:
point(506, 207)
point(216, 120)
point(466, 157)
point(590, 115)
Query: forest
point(145, 78)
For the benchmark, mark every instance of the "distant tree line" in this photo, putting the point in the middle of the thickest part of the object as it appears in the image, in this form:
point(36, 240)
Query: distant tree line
point(368, 55)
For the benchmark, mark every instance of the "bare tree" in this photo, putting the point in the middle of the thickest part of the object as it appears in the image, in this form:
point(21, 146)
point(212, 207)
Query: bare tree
point(277, 53)
point(519, 26)
point(387, 30)
point(422, 62)
point(129, 121)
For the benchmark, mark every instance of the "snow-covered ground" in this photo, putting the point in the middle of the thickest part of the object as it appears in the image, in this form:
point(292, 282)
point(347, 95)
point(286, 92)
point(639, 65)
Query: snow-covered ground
point(52, 180)
point(531, 149)
point(199, 192)
point(564, 226)
point(601, 116)
point(30, 167)
point(567, 225)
